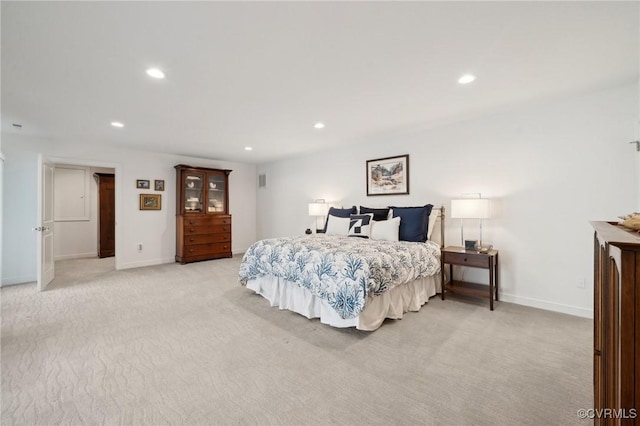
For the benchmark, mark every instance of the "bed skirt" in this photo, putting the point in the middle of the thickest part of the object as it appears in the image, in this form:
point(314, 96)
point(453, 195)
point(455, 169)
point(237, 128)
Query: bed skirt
point(391, 304)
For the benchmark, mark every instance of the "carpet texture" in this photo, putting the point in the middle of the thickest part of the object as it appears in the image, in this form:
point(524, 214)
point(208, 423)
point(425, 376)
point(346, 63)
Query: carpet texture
point(188, 345)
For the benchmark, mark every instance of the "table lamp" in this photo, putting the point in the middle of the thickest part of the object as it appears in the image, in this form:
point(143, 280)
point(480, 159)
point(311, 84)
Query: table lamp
point(470, 208)
point(318, 209)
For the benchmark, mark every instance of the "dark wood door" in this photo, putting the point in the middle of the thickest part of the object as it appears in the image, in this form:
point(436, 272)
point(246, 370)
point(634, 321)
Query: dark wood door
point(106, 214)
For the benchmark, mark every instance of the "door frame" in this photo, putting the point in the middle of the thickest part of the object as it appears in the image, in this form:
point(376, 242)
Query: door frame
point(638, 176)
point(117, 167)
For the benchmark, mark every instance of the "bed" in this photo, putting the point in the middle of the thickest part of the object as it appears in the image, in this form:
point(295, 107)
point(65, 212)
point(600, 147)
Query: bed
point(346, 281)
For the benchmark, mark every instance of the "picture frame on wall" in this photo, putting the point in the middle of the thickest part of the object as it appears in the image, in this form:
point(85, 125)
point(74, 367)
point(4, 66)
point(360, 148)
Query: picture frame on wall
point(158, 185)
point(143, 184)
point(388, 176)
point(150, 201)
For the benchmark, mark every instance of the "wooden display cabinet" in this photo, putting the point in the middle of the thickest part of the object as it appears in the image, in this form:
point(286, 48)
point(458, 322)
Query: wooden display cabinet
point(203, 222)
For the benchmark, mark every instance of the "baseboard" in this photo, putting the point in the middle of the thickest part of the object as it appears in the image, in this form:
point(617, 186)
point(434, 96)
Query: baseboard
point(18, 280)
point(76, 256)
point(143, 263)
point(548, 306)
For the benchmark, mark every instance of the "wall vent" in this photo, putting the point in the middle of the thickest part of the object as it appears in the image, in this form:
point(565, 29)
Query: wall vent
point(262, 180)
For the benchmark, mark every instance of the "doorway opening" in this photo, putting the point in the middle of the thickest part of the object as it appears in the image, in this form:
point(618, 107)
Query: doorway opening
point(82, 196)
point(84, 223)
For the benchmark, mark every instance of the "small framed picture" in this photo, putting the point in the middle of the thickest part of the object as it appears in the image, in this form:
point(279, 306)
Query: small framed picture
point(143, 184)
point(158, 185)
point(150, 201)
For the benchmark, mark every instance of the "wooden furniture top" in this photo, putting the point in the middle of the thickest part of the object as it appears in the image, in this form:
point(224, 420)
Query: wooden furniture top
point(455, 249)
point(616, 234)
point(185, 166)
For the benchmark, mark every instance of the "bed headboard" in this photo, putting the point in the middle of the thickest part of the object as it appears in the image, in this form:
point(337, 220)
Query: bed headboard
point(436, 236)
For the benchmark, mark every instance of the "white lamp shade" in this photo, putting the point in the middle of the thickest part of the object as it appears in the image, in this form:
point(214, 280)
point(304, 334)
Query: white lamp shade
point(470, 208)
point(318, 209)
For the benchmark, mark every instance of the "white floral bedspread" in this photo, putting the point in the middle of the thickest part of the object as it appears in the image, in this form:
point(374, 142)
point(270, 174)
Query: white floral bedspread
point(341, 270)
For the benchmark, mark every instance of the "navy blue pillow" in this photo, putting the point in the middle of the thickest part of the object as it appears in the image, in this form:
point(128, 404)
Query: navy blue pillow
point(339, 213)
point(414, 222)
point(378, 214)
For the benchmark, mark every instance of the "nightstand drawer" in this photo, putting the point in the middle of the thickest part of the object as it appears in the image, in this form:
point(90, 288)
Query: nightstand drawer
point(467, 259)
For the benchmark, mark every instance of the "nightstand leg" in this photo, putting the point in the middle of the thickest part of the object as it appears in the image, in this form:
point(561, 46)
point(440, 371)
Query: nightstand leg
point(451, 273)
point(497, 275)
point(491, 284)
point(442, 279)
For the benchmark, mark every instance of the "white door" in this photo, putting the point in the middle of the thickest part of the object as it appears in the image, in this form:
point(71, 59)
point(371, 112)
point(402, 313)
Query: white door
point(46, 265)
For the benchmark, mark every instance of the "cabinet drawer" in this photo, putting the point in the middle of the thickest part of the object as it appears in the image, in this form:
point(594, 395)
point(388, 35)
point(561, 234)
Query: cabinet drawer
point(209, 248)
point(220, 229)
point(206, 229)
point(221, 220)
point(467, 259)
point(199, 220)
point(207, 238)
point(207, 220)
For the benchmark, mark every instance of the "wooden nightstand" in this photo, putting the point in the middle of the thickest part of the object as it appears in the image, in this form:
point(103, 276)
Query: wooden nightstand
point(461, 257)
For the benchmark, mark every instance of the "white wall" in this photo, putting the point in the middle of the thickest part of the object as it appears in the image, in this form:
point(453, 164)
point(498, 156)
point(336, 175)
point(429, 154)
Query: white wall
point(549, 169)
point(154, 229)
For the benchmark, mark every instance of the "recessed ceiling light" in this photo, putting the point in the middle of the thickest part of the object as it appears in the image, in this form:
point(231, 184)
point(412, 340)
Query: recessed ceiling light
point(155, 73)
point(467, 78)
point(319, 125)
point(248, 148)
point(117, 124)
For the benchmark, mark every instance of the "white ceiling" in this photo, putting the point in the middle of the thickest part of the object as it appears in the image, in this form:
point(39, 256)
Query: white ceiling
point(261, 74)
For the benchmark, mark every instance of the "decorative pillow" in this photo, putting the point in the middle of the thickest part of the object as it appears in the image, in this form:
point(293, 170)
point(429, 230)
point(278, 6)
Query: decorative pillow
point(337, 225)
point(378, 214)
point(360, 225)
point(386, 230)
point(414, 224)
point(339, 213)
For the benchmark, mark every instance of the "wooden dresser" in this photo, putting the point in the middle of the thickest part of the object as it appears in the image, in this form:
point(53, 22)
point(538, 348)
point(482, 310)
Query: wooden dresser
point(203, 222)
point(616, 363)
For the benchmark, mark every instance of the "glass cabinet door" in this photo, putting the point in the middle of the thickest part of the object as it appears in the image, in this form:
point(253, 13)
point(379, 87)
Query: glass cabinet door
point(216, 193)
point(193, 192)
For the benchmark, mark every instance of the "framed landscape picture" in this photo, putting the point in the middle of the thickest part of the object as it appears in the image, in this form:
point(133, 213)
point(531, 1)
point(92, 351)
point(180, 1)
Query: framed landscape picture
point(142, 184)
point(150, 201)
point(388, 176)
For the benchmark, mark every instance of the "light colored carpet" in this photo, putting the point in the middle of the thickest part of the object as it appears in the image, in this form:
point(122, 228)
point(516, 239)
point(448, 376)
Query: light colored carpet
point(187, 345)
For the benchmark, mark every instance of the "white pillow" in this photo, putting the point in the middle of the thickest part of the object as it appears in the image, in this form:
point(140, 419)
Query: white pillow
point(337, 225)
point(432, 222)
point(386, 230)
